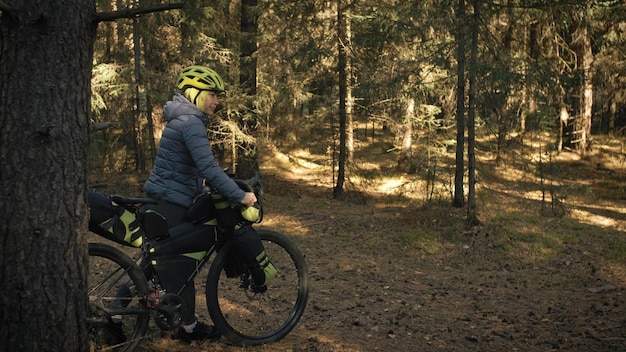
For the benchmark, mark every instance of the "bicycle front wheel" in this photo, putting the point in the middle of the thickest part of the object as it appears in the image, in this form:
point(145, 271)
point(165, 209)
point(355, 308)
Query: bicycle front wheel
point(246, 318)
point(118, 316)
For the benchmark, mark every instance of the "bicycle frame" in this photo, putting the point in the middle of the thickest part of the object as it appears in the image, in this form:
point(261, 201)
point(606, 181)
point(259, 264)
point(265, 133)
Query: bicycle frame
point(223, 239)
point(153, 296)
point(221, 242)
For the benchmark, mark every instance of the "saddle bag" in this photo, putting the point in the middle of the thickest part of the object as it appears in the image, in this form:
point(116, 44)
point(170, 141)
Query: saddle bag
point(113, 221)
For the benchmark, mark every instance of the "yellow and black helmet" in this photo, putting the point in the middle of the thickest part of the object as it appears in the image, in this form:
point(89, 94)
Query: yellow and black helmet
point(201, 78)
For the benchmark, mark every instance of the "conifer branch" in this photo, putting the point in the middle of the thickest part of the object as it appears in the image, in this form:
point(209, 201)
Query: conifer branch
point(132, 12)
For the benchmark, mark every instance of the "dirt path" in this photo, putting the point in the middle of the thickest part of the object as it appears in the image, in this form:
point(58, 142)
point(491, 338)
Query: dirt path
point(388, 276)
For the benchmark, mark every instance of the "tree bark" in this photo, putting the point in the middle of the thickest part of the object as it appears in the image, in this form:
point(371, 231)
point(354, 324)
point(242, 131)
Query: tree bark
point(405, 160)
point(472, 216)
point(140, 94)
point(585, 62)
point(249, 27)
point(349, 97)
point(247, 161)
point(343, 89)
point(46, 51)
point(502, 101)
point(459, 198)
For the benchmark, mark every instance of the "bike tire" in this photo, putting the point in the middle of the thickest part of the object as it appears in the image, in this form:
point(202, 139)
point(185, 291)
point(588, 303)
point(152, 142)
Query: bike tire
point(110, 269)
point(248, 319)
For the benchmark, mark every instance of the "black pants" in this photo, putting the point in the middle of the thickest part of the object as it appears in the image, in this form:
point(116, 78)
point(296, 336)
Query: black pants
point(173, 271)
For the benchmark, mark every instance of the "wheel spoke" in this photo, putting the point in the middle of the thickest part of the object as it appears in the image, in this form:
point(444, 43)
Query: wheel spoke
point(118, 317)
point(247, 318)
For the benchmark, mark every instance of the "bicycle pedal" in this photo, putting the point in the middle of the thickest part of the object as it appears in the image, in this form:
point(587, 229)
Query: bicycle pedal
point(154, 298)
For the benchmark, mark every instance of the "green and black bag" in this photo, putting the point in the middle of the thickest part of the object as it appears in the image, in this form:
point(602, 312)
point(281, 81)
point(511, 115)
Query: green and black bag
point(230, 217)
point(113, 221)
point(214, 208)
point(203, 210)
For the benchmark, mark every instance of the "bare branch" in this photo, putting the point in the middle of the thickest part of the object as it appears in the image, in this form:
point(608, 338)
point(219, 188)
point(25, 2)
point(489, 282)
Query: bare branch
point(132, 12)
point(97, 126)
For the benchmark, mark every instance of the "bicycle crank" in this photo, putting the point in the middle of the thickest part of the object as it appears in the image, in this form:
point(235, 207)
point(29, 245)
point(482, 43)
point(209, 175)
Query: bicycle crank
point(170, 311)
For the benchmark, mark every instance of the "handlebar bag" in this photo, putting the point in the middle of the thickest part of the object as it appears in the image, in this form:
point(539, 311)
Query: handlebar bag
point(228, 217)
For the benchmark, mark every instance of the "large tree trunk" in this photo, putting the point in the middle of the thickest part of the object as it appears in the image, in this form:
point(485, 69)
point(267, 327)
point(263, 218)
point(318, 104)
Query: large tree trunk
point(45, 63)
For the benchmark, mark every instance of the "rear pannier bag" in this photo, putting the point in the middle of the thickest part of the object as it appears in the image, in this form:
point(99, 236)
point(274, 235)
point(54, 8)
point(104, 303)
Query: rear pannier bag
point(113, 221)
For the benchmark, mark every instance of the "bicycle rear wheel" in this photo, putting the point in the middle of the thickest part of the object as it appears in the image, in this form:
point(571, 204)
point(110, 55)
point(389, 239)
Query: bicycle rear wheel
point(117, 289)
point(246, 318)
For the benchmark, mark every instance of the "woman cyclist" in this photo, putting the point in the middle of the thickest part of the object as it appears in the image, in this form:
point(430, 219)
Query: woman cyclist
point(184, 165)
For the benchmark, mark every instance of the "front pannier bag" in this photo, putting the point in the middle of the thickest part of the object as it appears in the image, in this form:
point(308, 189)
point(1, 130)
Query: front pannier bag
point(113, 221)
point(209, 206)
point(229, 217)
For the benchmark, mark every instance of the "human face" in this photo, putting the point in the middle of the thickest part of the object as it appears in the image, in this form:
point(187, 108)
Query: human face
point(211, 103)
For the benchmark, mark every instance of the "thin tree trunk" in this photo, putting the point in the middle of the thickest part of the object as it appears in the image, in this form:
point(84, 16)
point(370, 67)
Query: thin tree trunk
point(247, 161)
point(533, 53)
point(472, 216)
point(249, 27)
point(406, 156)
point(459, 198)
point(587, 89)
point(503, 101)
point(343, 88)
point(612, 115)
point(139, 97)
point(563, 123)
point(349, 98)
point(151, 60)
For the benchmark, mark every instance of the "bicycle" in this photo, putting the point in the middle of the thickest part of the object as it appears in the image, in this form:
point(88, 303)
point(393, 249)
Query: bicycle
point(244, 315)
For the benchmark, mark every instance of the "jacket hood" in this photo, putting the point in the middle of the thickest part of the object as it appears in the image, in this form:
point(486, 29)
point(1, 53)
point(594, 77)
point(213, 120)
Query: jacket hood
point(179, 106)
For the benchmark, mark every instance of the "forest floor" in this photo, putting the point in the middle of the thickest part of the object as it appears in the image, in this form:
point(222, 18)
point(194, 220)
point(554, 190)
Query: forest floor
point(394, 267)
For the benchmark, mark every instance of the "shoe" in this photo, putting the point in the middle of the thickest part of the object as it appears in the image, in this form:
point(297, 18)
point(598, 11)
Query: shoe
point(262, 274)
point(200, 333)
point(112, 334)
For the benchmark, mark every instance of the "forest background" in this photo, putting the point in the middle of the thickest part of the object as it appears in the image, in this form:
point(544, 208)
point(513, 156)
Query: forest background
point(412, 104)
point(328, 74)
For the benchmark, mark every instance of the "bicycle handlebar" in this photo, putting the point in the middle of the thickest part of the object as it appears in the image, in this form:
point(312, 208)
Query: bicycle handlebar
point(253, 184)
